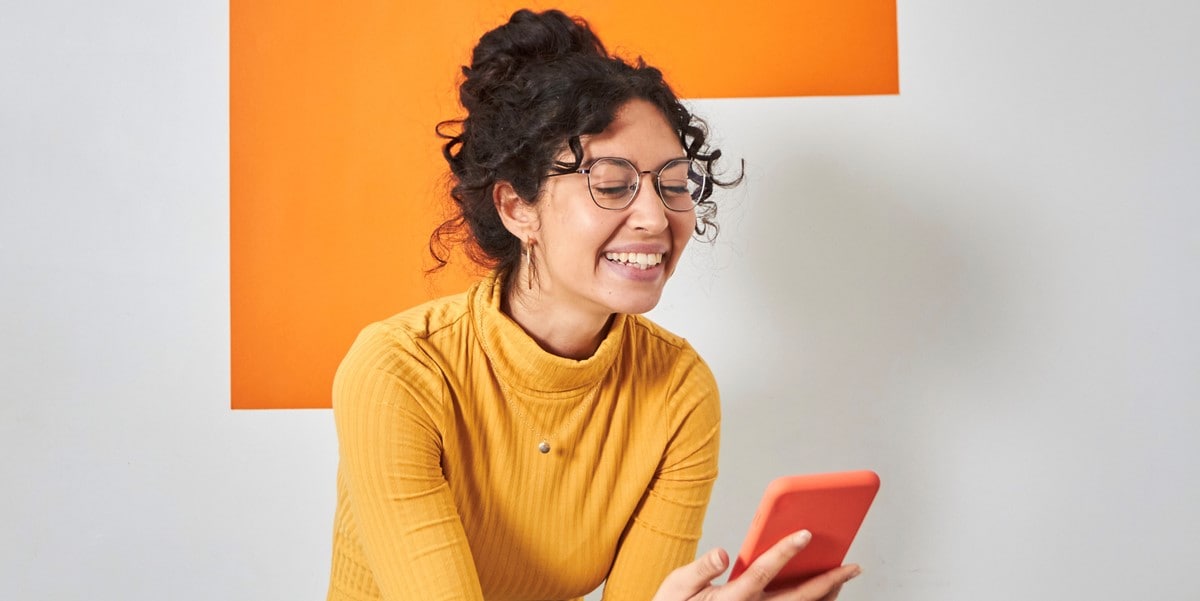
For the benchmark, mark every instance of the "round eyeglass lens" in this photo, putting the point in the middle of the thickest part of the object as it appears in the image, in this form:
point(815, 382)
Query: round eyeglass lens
point(613, 182)
point(681, 183)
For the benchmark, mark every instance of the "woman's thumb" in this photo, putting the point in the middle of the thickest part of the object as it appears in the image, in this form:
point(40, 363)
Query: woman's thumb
point(711, 565)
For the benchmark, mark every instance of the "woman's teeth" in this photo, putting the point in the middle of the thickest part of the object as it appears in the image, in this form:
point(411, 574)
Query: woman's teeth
point(640, 260)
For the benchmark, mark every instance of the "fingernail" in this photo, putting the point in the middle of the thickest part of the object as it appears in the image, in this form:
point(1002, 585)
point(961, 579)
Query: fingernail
point(855, 573)
point(802, 537)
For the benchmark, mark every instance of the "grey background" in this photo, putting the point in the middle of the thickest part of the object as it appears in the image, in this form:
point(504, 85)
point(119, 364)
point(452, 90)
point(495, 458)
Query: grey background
point(983, 288)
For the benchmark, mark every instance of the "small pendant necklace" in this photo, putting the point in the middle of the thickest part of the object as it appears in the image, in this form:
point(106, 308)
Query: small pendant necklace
point(543, 446)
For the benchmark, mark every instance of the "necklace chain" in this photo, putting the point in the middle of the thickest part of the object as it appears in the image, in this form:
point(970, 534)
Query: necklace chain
point(509, 399)
point(543, 440)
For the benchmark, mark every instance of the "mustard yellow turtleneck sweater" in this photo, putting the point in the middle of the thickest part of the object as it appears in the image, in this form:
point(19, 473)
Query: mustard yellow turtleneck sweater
point(443, 494)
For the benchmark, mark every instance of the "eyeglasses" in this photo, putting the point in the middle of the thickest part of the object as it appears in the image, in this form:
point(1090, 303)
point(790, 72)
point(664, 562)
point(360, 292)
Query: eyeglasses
point(614, 183)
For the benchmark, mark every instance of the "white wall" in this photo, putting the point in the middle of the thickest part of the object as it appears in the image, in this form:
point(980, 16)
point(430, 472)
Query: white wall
point(984, 288)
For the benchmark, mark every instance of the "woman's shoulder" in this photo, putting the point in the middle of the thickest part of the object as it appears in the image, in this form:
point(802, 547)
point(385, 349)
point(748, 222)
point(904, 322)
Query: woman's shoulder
point(647, 335)
point(656, 348)
point(424, 320)
point(687, 389)
point(401, 343)
point(395, 361)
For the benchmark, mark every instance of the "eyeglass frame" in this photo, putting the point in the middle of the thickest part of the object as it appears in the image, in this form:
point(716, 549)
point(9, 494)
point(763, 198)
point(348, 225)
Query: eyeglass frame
point(586, 171)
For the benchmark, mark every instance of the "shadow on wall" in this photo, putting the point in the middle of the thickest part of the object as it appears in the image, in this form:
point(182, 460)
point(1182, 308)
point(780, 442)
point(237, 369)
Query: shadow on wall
point(852, 279)
point(846, 278)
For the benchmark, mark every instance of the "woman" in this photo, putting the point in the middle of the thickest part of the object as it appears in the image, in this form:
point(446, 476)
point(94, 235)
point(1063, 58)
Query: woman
point(535, 436)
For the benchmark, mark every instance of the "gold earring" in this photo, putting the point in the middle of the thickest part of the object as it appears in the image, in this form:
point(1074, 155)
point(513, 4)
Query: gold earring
point(529, 268)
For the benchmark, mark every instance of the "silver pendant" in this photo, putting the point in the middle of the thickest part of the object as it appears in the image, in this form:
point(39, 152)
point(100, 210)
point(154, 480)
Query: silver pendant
point(544, 447)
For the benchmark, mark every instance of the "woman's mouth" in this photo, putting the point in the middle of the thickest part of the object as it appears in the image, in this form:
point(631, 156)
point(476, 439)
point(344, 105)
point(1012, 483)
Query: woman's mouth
point(641, 261)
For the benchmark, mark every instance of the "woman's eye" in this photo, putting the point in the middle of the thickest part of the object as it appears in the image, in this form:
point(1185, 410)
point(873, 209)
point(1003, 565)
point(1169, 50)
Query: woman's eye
point(611, 190)
point(675, 189)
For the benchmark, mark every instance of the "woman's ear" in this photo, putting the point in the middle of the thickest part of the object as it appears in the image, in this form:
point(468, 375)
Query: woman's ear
point(520, 217)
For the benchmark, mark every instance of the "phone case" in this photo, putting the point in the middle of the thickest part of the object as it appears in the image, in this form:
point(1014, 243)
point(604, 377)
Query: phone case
point(830, 506)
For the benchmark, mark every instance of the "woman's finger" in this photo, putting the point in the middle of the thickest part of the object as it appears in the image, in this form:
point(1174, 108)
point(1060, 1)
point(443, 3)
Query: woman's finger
point(833, 594)
point(824, 587)
point(764, 569)
point(686, 581)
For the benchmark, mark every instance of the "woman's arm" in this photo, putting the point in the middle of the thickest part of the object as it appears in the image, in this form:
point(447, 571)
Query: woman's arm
point(387, 400)
point(665, 529)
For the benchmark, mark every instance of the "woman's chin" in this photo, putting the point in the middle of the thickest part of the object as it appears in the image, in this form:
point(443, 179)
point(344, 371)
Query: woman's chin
point(636, 304)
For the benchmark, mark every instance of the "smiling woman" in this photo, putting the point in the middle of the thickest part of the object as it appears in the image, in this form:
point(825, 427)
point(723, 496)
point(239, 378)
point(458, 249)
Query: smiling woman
point(536, 436)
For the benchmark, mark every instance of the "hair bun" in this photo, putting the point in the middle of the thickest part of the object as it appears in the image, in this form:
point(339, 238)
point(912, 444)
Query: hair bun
point(528, 39)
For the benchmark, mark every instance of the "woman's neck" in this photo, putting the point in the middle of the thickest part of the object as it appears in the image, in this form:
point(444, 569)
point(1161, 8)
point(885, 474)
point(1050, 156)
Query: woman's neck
point(565, 331)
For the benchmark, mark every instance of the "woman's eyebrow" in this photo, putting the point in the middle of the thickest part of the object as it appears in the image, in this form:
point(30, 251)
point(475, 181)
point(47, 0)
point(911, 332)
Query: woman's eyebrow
point(588, 161)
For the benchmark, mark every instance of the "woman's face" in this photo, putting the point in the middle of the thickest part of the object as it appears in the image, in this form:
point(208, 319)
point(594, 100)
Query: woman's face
point(580, 246)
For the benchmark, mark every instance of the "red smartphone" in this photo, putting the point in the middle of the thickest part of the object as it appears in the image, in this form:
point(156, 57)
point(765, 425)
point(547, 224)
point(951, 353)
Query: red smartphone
point(830, 506)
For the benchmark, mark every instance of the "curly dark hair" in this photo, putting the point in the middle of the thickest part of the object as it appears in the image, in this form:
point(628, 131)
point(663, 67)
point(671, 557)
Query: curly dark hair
point(534, 86)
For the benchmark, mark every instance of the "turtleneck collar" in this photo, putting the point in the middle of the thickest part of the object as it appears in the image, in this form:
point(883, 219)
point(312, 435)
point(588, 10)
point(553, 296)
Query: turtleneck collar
point(525, 366)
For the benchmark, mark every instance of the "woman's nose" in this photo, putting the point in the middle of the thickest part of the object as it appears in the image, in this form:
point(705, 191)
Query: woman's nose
point(648, 211)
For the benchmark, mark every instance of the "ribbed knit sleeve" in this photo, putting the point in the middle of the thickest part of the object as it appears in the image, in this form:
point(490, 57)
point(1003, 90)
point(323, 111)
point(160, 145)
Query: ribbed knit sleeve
point(402, 520)
point(666, 525)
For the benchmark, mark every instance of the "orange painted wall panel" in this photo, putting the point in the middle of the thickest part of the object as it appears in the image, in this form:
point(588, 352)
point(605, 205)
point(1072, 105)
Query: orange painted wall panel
point(337, 177)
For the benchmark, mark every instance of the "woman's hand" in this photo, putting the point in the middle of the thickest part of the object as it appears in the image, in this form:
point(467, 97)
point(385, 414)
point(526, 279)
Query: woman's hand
point(693, 582)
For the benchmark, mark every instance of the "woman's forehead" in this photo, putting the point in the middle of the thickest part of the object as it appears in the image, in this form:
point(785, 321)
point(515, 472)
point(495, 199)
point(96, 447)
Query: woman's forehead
point(640, 133)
